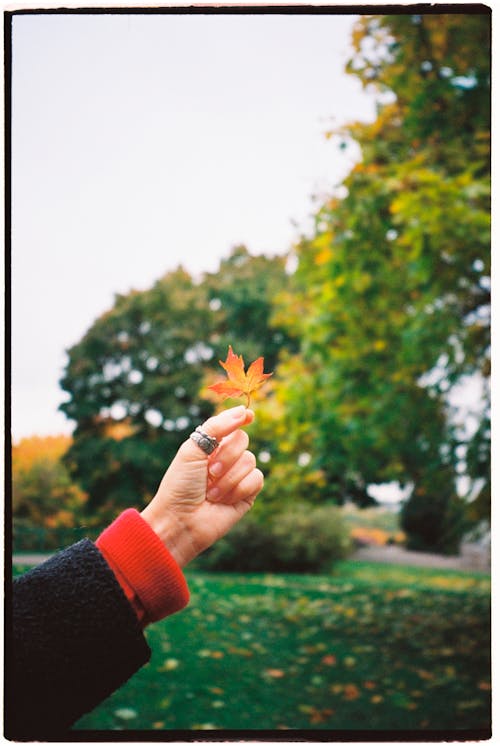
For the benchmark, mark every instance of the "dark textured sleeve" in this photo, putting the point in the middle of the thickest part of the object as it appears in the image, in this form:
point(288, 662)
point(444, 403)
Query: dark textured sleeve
point(74, 639)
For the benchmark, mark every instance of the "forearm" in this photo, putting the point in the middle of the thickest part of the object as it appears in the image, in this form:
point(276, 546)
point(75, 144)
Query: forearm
point(76, 625)
point(73, 640)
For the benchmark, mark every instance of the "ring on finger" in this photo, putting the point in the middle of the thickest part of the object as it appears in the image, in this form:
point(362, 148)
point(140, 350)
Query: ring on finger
point(203, 440)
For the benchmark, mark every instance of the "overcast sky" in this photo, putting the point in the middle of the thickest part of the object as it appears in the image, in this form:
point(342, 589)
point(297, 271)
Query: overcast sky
point(142, 142)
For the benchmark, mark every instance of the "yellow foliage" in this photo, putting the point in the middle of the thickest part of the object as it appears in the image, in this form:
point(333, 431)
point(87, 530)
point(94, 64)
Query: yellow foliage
point(370, 536)
point(323, 257)
point(118, 430)
point(36, 448)
point(42, 491)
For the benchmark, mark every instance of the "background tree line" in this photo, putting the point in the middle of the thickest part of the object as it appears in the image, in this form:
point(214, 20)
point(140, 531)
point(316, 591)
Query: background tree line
point(370, 323)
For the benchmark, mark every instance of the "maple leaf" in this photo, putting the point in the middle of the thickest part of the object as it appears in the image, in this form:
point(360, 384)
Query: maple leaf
point(238, 382)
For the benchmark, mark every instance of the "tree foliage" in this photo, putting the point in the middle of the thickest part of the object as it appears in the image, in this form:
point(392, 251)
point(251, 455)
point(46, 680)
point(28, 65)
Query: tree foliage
point(137, 380)
point(242, 294)
point(386, 315)
point(391, 296)
point(43, 494)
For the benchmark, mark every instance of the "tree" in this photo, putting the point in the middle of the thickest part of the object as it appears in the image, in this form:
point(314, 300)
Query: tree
point(391, 295)
point(241, 295)
point(133, 382)
point(137, 380)
point(43, 495)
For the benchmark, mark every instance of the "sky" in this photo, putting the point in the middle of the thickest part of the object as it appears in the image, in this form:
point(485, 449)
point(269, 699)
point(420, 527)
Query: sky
point(141, 142)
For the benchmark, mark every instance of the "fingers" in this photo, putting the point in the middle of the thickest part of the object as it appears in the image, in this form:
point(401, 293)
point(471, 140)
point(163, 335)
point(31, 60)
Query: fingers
point(247, 493)
point(232, 473)
point(233, 485)
point(227, 454)
point(244, 494)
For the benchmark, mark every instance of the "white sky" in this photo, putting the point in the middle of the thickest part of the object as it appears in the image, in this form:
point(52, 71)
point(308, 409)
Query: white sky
point(142, 142)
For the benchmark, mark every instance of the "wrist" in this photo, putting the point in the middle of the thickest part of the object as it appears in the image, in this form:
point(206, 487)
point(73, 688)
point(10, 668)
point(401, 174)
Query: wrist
point(172, 532)
point(149, 575)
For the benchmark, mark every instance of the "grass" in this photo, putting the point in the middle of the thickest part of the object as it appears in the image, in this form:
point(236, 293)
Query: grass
point(370, 646)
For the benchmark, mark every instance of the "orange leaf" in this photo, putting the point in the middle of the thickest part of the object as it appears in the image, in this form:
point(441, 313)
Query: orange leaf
point(485, 686)
point(351, 692)
point(319, 716)
point(238, 382)
point(329, 660)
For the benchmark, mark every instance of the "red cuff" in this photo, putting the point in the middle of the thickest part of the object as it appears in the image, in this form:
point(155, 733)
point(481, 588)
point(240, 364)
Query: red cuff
point(150, 577)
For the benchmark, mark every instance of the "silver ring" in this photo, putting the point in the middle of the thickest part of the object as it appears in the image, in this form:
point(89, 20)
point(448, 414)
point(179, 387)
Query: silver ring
point(206, 442)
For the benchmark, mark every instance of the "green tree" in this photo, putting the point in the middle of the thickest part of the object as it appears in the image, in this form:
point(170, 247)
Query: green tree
point(137, 380)
point(391, 294)
point(133, 383)
point(241, 296)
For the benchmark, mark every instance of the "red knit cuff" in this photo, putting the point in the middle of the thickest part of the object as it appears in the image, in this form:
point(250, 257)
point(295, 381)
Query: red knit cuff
point(138, 556)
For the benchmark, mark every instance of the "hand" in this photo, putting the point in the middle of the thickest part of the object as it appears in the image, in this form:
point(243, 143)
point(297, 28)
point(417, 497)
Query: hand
point(201, 497)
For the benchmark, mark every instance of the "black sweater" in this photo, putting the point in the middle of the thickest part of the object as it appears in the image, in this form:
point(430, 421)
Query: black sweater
point(72, 639)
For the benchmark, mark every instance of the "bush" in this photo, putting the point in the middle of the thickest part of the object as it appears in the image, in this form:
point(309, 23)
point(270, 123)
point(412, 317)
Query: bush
point(433, 523)
point(302, 539)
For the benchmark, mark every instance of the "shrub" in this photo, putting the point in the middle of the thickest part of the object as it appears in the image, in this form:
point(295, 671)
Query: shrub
point(302, 539)
point(310, 539)
point(245, 549)
point(433, 525)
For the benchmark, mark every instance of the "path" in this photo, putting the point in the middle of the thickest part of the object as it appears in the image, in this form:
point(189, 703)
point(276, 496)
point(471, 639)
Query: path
point(29, 559)
point(472, 558)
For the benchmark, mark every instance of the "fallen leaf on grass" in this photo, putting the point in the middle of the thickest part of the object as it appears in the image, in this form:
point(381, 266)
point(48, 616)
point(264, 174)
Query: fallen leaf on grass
point(317, 680)
point(351, 692)
point(329, 660)
point(426, 675)
point(319, 716)
point(349, 662)
point(125, 713)
point(210, 653)
point(203, 726)
point(336, 688)
point(470, 704)
point(275, 673)
point(215, 690)
point(305, 708)
point(240, 651)
point(169, 665)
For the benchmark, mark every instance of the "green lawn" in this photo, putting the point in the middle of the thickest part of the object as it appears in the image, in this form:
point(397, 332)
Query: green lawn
point(369, 647)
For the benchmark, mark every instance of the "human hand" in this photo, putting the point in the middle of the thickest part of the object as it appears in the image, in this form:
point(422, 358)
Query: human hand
point(201, 497)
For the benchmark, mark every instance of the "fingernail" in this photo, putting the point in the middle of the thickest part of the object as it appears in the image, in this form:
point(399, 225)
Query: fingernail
point(213, 493)
point(215, 470)
point(238, 411)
